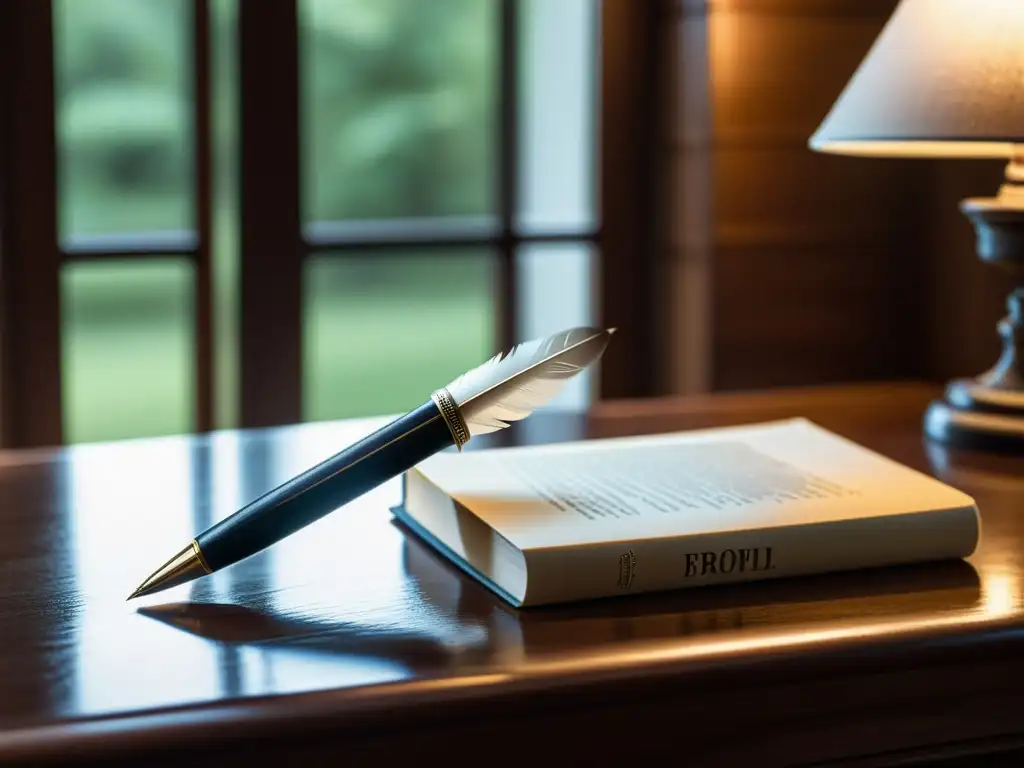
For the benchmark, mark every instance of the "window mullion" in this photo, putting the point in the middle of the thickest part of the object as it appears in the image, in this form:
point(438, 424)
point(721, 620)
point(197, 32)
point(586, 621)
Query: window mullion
point(508, 170)
point(271, 235)
point(202, 199)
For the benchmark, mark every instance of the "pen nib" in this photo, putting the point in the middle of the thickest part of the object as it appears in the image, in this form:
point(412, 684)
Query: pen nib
point(184, 567)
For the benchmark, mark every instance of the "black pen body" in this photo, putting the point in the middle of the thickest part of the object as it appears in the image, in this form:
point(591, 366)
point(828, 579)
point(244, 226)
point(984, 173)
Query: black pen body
point(321, 489)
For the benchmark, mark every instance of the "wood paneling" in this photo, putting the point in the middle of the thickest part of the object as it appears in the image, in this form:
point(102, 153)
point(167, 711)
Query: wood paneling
point(776, 76)
point(813, 264)
point(633, 178)
point(788, 195)
point(691, 236)
point(811, 315)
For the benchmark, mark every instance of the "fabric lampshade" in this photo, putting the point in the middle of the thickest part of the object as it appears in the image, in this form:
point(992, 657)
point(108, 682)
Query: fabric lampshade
point(945, 78)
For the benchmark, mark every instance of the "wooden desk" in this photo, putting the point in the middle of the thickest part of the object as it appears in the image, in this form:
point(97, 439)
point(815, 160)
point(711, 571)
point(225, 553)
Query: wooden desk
point(350, 641)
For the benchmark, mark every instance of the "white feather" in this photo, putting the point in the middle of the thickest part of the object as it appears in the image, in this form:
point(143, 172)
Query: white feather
point(510, 387)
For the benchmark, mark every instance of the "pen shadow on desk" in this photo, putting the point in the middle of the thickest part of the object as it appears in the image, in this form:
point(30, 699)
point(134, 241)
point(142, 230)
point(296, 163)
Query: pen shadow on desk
point(309, 634)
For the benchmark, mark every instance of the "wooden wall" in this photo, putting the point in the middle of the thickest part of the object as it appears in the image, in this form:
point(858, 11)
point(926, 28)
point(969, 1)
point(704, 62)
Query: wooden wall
point(793, 267)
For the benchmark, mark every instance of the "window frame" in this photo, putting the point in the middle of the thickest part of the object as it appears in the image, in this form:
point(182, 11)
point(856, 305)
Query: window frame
point(273, 239)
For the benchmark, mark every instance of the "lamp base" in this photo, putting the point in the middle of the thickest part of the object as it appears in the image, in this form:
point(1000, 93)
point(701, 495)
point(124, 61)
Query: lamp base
point(977, 417)
point(987, 412)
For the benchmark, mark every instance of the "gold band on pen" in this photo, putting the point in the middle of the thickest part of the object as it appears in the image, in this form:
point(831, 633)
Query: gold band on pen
point(452, 416)
point(200, 558)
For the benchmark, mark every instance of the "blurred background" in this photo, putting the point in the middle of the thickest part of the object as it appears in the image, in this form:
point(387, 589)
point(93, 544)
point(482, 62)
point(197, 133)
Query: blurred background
point(217, 216)
point(398, 111)
point(397, 114)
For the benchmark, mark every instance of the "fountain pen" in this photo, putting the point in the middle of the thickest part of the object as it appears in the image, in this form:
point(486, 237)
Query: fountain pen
point(384, 454)
point(489, 397)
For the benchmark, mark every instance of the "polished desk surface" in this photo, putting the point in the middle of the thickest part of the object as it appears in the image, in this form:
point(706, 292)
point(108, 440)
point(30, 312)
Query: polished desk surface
point(350, 630)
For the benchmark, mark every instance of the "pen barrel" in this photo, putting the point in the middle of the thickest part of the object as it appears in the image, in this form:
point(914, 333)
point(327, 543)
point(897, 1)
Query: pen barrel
point(346, 475)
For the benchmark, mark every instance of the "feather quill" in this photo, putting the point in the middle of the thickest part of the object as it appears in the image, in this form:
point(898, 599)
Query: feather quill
point(509, 387)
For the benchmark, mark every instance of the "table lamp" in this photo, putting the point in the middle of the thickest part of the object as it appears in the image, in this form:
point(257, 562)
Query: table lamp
point(945, 79)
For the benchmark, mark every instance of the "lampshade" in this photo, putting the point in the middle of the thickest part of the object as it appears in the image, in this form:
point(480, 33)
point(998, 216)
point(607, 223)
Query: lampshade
point(945, 78)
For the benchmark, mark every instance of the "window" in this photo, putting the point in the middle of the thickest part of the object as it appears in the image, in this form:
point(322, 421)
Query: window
point(125, 108)
point(299, 210)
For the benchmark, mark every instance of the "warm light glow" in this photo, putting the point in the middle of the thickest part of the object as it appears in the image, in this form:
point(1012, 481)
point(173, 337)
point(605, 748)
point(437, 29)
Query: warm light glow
point(674, 651)
point(934, 149)
point(943, 79)
point(999, 594)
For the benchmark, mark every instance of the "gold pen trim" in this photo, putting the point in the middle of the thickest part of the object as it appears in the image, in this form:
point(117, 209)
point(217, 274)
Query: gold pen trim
point(185, 566)
point(452, 416)
point(200, 558)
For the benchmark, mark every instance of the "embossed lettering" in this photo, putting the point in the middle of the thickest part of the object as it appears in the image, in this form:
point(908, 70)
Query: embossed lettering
point(708, 563)
point(691, 564)
point(744, 558)
point(727, 561)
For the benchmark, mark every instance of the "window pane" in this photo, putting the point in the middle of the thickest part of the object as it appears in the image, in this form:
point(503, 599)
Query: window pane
point(225, 219)
point(559, 77)
point(123, 115)
point(382, 331)
point(127, 349)
point(398, 108)
point(556, 292)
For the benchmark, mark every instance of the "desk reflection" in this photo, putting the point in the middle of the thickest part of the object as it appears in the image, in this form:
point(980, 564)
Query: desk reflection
point(459, 626)
point(354, 600)
point(126, 502)
point(129, 502)
point(993, 480)
point(432, 645)
point(928, 593)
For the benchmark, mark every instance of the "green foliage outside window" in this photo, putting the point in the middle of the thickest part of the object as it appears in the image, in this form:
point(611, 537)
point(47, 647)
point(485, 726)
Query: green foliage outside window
point(397, 116)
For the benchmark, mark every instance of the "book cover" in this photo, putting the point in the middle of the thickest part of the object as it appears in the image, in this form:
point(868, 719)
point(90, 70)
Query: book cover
point(597, 518)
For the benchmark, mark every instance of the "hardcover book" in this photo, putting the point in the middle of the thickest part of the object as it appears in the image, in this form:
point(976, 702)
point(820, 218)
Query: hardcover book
point(599, 518)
